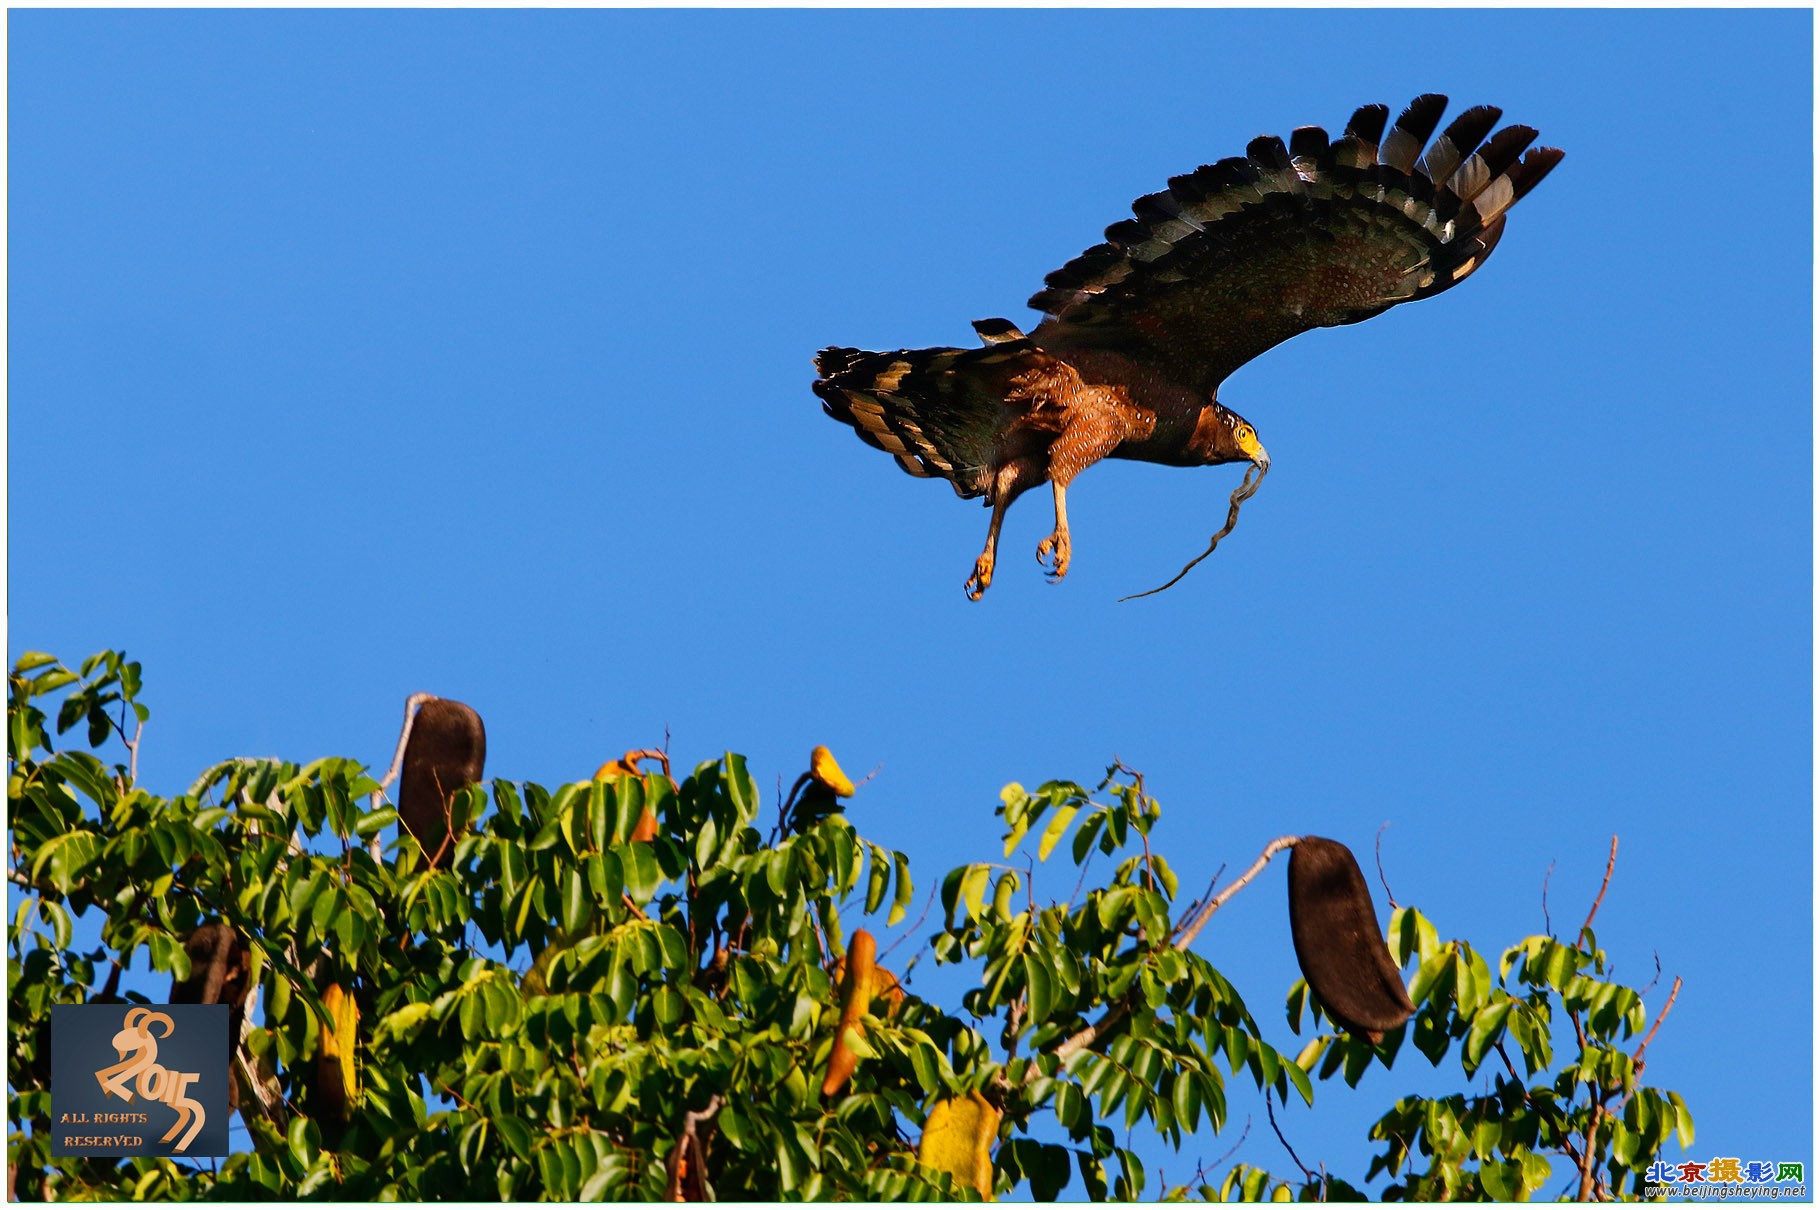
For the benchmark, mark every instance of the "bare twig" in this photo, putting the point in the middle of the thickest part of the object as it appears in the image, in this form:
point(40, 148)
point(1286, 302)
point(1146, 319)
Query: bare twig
point(1240, 494)
point(1636, 1057)
point(1138, 779)
point(1547, 924)
point(391, 774)
point(1654, 979)
point(1206, 895)
point(1232, 1150)
point(266, 1095)
point(132, 752)
point(1116, 1012)
point(1199, 921)
point(1585, 1192)
point(1378, 849)
point(928, 902)
point(1084, 1038)
point(1610, 861)
point(1307, 1172)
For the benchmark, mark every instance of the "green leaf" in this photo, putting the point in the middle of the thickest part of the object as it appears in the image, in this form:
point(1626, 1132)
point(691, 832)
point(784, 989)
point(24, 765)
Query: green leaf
point(577, 902)
point(1684, 1121)
point(900, 901)
point(1535, 1172)
point(973, 889)
point(1040, 982)
point(641, 871)
point(1502, 1179)
point(32, 659)
point(1487, 1026)
point(515, 1132)
point(1299, 1078)
point(1058, 827)
point(926, 1062)
point(878, 876)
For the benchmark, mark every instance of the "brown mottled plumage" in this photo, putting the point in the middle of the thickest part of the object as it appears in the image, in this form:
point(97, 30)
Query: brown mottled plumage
point(1140, 331)
point(1338, 943)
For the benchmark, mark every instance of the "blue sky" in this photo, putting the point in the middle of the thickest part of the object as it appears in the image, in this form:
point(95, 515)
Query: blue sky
point(358, 353)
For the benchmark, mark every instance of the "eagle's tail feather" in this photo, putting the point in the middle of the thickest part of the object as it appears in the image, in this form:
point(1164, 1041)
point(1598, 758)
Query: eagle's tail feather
point(939, 412)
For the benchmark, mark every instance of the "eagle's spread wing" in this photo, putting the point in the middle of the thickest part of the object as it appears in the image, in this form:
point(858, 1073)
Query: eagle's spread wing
point(1238, 256)
point(952, 414)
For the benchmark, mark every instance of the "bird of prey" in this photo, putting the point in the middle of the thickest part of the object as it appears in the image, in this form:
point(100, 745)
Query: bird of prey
point(1139, 332)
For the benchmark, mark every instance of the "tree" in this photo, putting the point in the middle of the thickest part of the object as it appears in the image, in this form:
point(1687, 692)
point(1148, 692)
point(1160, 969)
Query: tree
point(563, 1012)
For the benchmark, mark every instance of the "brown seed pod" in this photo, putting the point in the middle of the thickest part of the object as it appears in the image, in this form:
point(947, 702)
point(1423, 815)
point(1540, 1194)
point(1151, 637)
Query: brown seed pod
point(447, 753)
point(219, 966)
point(1338, 943)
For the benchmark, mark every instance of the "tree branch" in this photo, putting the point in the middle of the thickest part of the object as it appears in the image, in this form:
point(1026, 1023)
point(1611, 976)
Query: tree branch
point(1610, 861)
point(1636, 1057)
point(1377, 849)
point(687, 1146)
point(1307, 1172)
point(1185, 937)
point(1214, 904)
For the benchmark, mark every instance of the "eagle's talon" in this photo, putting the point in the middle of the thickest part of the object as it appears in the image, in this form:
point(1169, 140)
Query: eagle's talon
point(980, 580)
point(1056, 545)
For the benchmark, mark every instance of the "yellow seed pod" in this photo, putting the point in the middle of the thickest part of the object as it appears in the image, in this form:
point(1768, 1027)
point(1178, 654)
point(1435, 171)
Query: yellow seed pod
point(335, 1052)
point(884, 986)
point(627, 766)
point(824, 769)
point(616, 767)
point(957, 1139)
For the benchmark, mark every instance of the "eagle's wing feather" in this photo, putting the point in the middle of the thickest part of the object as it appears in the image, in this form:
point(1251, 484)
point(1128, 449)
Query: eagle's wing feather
point(1238, 256)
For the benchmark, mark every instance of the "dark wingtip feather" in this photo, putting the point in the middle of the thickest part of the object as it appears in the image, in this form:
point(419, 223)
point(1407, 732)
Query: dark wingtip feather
point(1368, 122)
point(833, 360)
point(1423, 115)
point(1086, 267)
point(1268, 153)
point(1461, 138)
point(1308, 143)
point(1405, 140)
point(1503, 148)
point(1534, 166)
point(1127, 232)
point(1156, 207)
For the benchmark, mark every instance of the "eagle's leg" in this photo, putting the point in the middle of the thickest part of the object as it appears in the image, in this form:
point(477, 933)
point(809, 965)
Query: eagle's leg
point(1008, 483)
point(1057, 543)
point(1089, 437)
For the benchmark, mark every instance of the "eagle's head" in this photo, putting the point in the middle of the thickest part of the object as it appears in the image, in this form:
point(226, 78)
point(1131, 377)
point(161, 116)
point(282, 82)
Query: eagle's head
point(1222, 435)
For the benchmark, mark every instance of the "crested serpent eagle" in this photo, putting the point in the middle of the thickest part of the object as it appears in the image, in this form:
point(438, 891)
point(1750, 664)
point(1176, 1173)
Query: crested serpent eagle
point(1139, 332)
